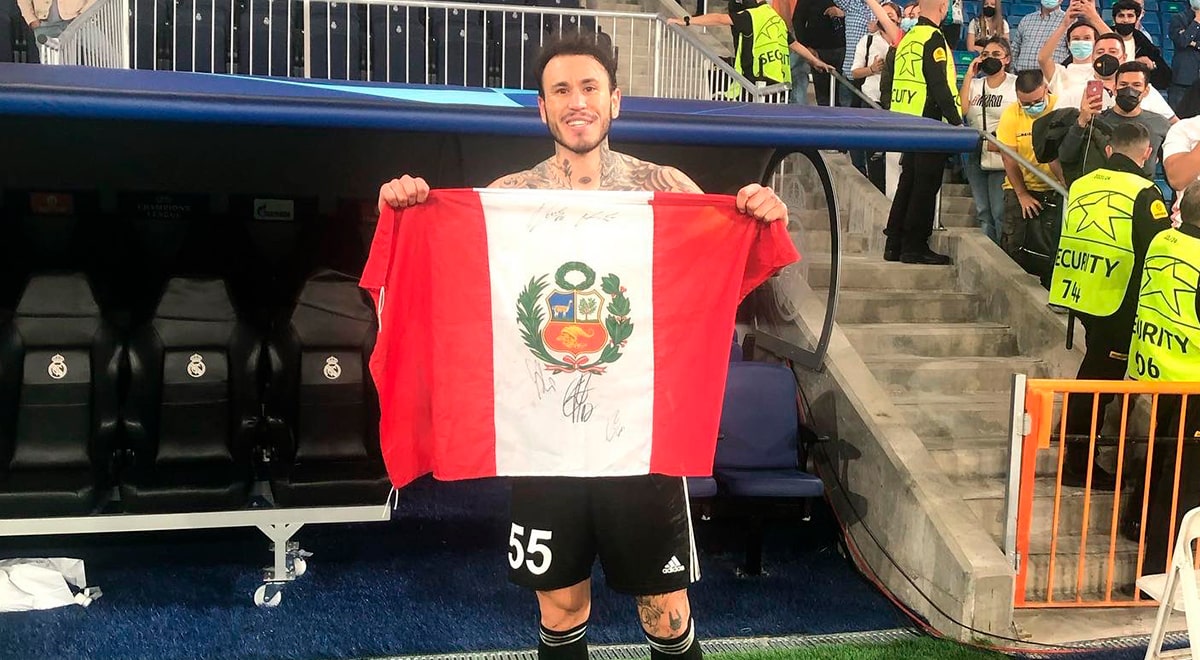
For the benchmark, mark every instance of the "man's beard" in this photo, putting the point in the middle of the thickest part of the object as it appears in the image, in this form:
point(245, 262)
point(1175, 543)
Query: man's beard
point(584, 148)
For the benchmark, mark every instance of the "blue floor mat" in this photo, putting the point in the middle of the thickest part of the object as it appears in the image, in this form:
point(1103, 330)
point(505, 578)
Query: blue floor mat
point(432, 580)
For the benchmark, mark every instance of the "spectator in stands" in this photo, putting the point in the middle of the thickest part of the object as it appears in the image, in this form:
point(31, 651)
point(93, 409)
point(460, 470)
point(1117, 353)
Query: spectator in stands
point(1184, 31)
point(983, 101)
point(761, 42)
point(1108, 55)
point(1181, 157)
point(1085, 25)
point(820, 25)
point(953, 25)
point(1032, 32)
point(858, 20)
point(577, 80)
point(1089, 132)
point(1026, 196)
point(48, 18)
point(990, 23)
point(1112, 215)
point(1138, 47)
point(920, 83)
point(866, 69)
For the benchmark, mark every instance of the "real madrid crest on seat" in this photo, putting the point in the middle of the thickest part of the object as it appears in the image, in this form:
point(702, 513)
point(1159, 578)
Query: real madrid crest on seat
point(192, 409)
point(57, 413)
point(321, 403)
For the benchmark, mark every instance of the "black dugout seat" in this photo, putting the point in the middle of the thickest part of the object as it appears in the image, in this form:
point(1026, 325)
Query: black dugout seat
point(321, 405)
point(59, 367)
point(192, 409)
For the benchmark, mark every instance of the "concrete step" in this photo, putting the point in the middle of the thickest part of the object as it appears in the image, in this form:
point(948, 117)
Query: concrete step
point(903, 374)
point(814, 242)
point(872, 272)
point(985, 496)
point(959, 219)
point(808, 219)
point(955, 415)
point(956, 204)
point(932, 339)
point(1095, 584)
point(978, 456)
point(956, 190)
point(901, 306)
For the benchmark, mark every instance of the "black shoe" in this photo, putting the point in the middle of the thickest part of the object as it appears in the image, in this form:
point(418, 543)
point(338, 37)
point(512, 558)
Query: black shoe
point(928, 257)
point(891, 249)
point(1076, 477)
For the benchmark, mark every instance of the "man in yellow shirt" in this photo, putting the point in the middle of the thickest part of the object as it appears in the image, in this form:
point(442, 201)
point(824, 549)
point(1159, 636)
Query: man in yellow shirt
point(1026, 197)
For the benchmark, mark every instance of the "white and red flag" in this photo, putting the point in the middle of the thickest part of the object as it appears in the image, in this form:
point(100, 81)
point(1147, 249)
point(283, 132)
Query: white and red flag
point(560, 333)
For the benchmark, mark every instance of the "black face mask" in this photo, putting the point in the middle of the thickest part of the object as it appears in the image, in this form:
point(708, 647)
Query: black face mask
point(1128, 98)
point(1106, 65)
point(990, 66)
point(1123, 29)
point(989, 11)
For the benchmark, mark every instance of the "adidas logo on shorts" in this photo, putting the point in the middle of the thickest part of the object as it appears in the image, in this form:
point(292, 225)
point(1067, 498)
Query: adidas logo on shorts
point(672, 566)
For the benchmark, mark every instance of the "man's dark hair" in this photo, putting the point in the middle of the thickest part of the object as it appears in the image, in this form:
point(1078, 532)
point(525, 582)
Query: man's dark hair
point(1130, 138)
point(1082, 24)
point(576, 43)
point(1189, 205)
point(1126, 5)
point(1112, 35)
point(1029, 80)
point(1135, 67)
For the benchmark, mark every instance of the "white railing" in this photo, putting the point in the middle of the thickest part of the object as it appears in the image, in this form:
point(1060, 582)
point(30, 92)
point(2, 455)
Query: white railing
point(407, 41)
point(97, 37)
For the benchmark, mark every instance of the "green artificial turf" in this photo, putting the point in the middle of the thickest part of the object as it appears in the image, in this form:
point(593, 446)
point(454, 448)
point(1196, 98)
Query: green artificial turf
point(926, 647)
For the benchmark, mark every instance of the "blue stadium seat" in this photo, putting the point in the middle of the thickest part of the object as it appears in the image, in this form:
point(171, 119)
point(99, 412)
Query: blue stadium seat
point(202, 35)
point(1171, 7)
point(265, 41)
point(337, 40)
point(701, 487)
point(760, 456)
point(399, 49)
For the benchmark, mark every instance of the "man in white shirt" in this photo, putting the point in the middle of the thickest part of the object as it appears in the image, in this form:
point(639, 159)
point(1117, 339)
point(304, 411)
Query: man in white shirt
point(1109, 53)
point(1181, 157)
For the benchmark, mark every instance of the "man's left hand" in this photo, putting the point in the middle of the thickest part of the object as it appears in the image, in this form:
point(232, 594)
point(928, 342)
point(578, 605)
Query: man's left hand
point(761, 203)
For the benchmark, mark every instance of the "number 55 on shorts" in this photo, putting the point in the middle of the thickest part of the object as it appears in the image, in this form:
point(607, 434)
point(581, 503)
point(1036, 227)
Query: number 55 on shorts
point(534, 553)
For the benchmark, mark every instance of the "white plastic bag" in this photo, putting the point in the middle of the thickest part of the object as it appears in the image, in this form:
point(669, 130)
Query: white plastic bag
point(42, 584)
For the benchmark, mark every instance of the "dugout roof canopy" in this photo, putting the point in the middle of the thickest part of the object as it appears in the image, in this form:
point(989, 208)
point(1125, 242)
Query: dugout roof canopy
point(90, 93)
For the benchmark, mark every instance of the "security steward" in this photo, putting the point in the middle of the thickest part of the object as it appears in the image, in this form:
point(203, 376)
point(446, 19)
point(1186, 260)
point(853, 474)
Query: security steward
point(1166, 348)
point(761, 43)
point(1113, 213)
point(919, 80)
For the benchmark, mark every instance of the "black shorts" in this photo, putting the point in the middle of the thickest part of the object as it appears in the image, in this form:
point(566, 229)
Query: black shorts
point(639, 526)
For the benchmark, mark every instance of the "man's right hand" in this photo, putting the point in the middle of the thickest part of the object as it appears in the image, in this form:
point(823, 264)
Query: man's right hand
point(1030, 207)
point(1089, 107)
point(403, 192)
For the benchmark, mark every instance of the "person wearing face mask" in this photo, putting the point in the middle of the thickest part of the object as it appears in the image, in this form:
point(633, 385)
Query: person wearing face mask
point(1085, 139)
point(1138, 47)
point(920, 83)
point(990, 23)
point(1081, 29)
point(1026, 196)
point(1107, 57)
point(866, 69)
point(1184, 30)
point(1033, 31)
point(1112, 215)
point(983, 101)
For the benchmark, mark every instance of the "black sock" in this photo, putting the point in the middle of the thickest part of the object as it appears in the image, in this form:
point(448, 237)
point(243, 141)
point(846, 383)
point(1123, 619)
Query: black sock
point(683, 647)
point(563, 645)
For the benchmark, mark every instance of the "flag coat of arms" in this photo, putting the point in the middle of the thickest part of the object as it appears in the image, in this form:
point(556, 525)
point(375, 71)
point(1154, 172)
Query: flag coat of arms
point(559, 333)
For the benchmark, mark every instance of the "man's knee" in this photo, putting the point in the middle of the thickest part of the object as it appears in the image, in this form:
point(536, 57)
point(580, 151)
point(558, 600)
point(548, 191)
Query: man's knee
point(664, 615)
point(566, 608)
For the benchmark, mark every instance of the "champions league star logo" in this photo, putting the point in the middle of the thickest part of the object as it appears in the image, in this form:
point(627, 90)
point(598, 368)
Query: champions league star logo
point(568, 327)
point(1085, 213)
point(910, 61)
point(1171, 282)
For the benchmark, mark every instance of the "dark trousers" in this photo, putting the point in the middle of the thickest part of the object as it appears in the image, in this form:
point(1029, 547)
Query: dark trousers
point(910, 221)
point(1160, 527)
point(1104, 359)
point(820, 80)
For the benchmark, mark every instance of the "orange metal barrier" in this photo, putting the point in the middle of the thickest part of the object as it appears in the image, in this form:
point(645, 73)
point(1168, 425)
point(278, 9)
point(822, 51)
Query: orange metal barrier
point(1073, 547)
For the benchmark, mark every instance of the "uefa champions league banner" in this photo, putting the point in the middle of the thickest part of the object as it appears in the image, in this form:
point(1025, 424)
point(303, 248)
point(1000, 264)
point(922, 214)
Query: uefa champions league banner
point(559, 333)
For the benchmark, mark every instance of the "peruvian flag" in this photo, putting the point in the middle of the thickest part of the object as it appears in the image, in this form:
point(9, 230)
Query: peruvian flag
point(561, 333)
